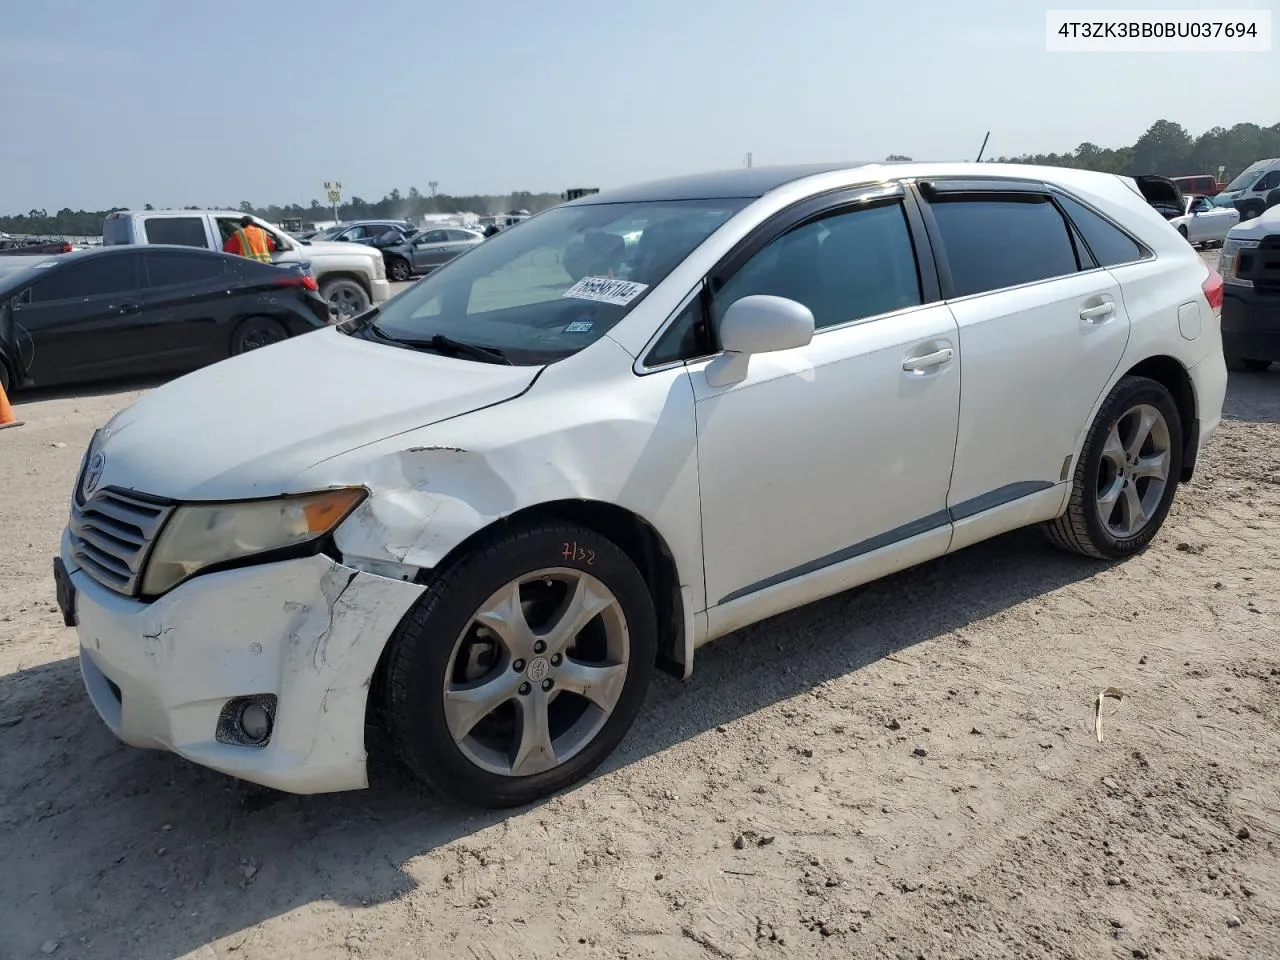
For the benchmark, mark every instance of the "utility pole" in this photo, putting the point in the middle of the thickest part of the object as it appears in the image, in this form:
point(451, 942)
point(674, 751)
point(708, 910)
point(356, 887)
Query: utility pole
point(748, 161)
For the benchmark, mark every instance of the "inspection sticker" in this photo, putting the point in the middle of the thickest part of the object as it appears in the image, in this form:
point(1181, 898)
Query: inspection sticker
point(579, 326)
point(606, 290)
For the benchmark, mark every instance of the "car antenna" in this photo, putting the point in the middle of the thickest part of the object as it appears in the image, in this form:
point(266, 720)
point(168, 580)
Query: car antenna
point(983, 148)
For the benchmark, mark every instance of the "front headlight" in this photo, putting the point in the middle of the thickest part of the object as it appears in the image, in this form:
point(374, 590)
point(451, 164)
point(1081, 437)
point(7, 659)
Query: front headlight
point(1229, 260)
point(199, 536)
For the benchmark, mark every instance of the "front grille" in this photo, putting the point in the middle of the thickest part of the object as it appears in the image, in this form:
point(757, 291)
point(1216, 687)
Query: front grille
point(1262, 265)
point(112, 534)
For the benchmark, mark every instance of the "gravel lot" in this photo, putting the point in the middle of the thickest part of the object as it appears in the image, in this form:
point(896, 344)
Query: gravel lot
point(773, 806)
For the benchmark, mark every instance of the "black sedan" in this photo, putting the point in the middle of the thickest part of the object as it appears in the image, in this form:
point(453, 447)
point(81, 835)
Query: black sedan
point(121, 311)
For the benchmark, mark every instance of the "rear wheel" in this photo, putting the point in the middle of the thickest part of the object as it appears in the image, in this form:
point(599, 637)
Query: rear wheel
point(399, 270)
point(1247, 365)
point(1126, 476)
point(522, 666)
point(6, 381)
point(346, 299)
point(257, 332)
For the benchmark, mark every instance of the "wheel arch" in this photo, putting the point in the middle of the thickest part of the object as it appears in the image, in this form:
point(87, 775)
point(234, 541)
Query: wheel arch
point(1172, 375)
point(354, 276)
point(639, 539)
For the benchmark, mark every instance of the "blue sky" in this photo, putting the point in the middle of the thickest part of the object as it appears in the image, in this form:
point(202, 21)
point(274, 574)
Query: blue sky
point(126, 102)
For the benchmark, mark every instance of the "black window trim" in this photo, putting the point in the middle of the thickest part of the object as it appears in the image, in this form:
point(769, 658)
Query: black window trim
point(819, 206)
point(1010, 190)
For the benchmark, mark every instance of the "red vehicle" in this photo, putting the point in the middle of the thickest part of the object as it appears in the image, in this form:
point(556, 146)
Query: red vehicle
point(1202, 183)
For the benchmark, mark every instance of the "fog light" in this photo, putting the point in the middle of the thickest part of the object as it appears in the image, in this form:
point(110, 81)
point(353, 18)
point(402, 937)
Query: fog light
point(255, 722)
point(247, 721)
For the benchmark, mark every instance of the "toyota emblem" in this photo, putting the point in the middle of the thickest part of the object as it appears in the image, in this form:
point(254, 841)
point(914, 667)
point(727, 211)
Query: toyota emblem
point(93, 473)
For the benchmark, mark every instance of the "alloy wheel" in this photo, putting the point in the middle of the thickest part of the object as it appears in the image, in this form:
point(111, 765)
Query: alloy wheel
point(537, 672)
point(1134, 471)
point(344, 303)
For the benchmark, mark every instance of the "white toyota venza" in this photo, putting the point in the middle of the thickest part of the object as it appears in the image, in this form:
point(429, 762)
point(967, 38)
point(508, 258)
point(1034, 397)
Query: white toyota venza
point(484, 513)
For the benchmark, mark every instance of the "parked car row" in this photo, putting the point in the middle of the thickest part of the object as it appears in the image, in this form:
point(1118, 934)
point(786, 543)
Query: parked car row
point(352, 277)
point(120, 311)
point(1250, 266)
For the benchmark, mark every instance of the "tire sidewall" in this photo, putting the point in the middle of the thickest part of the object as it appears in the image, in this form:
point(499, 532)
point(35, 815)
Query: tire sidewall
point(1128, 394)
point(423, 646)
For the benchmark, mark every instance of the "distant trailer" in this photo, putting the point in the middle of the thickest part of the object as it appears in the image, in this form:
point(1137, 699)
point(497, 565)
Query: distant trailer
point(577, 192)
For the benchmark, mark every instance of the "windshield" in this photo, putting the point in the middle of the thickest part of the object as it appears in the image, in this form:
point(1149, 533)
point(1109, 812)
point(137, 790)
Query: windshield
point(1245, 180)
point(559, 283)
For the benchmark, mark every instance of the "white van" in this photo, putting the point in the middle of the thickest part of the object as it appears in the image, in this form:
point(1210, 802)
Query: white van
point(1248, 192)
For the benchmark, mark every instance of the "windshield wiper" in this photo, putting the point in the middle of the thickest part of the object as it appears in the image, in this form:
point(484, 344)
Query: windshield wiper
point(445, 345)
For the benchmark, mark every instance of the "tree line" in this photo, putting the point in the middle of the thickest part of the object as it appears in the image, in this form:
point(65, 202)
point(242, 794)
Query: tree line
point(1165, 149)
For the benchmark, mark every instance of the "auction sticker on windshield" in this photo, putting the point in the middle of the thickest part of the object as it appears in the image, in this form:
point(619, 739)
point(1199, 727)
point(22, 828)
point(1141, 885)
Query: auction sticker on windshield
point(606, 290)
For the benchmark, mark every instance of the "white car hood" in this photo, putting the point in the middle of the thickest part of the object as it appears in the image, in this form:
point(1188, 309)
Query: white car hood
point(246, 427)
point(1258, 227)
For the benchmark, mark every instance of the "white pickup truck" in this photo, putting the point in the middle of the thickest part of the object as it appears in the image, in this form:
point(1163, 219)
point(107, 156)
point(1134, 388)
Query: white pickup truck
point(351, 276)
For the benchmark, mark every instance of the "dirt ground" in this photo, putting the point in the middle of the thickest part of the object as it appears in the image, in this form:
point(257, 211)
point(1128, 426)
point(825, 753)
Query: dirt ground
point(908, 770)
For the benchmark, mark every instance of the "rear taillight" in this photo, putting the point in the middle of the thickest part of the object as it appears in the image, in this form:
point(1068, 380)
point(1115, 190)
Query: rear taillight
point(66, 246)
point(1212, 288)
point(302, 280)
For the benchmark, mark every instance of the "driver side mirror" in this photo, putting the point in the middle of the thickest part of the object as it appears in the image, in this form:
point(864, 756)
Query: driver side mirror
point(758, 324)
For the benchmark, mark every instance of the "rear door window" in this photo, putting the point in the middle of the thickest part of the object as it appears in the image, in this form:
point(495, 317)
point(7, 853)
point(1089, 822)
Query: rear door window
point(176, 269)
point(91, 277)
point(182, 231)
point(993, 243)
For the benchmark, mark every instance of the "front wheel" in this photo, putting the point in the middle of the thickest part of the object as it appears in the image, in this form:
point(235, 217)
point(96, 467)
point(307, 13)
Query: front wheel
point(1127, 474)
point(399, 270)
point(1183, 231)
point(522, 666)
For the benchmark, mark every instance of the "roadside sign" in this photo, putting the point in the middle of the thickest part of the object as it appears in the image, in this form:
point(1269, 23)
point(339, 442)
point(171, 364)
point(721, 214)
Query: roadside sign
point(333, 190)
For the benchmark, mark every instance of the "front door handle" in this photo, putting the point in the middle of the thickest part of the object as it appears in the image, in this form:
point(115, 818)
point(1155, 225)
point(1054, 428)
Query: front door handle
point(1099, 314)
point(126, 307)
point(928, 361)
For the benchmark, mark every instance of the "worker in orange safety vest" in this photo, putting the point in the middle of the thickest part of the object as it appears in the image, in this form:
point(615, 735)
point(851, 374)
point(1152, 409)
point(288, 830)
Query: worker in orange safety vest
point(250, 240)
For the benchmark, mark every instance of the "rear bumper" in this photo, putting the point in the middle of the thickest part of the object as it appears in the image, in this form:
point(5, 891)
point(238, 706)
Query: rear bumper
point(1250, 323)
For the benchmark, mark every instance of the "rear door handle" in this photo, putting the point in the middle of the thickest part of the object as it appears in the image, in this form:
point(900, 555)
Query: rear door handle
point(1099, 314)
point(928, 361)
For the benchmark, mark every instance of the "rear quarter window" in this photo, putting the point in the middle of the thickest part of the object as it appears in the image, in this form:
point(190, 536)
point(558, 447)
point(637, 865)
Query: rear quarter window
point(1109, 244)
point(116, 231)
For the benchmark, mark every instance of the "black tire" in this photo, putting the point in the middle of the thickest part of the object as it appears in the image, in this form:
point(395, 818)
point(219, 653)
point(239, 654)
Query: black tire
point(399, 269)
point(1247, 365)
point(6, 379)
point(255, 332)
point(346, 298)
point(421, 651)
point(1250, 211)
point(1183, 231)
point(1080, 529)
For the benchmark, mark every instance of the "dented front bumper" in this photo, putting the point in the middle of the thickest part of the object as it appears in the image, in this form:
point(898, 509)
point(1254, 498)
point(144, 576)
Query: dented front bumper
point(309, 631)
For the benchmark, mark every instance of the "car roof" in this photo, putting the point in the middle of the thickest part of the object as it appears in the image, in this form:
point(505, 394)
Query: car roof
point(744, 183)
